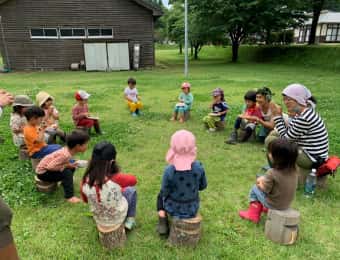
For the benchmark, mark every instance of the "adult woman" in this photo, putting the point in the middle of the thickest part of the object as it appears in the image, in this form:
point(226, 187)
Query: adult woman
point(306, 128)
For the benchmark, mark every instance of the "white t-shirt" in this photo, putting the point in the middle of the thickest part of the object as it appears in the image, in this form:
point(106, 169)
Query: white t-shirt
point(131, 94)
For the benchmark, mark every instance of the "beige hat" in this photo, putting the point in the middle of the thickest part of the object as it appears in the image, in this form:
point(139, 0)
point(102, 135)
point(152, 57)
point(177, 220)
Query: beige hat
point(42, 97)
point(22, 100)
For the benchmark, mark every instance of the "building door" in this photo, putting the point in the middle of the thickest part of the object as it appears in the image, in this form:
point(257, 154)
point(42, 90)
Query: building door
point(95, 56)
point(118, 56)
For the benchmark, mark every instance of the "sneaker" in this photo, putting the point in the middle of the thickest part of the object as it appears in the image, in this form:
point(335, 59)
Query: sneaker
point(232, 139)
point(134, 114)
point(212, 130)
point(130, 223)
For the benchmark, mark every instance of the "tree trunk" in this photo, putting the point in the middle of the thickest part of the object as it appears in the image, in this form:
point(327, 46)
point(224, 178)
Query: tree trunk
point(196, 51)
point(235, 48)
point(268, 34)
point(191, 50)
point(180, 48)
point(317, 7)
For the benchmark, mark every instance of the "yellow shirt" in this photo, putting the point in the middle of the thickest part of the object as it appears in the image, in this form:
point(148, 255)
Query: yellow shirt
point(31, 135)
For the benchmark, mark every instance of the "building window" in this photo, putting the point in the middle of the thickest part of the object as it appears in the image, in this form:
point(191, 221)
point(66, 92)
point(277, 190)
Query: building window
point(44, 33)
point(100, 33)
point(333, 33)
point(304, 34)
point(72, 33)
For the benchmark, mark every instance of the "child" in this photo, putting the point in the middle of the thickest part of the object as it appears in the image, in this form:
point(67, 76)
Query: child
point(276, 189)
point(132, 97)
point(247, 120)
point(45, 101)
point(59, 166)
point(219, 110)
point(34, 134)
point(183, 178)
point(111, 194)
point(185, 103)
point(81, 115)
point(18, 120)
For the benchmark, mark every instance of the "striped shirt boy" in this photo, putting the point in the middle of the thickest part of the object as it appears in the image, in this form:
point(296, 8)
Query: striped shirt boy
point(308, 131)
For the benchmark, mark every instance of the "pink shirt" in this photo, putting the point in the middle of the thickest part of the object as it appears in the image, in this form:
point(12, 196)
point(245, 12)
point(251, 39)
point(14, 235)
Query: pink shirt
point(77, 112)
point(55, 162)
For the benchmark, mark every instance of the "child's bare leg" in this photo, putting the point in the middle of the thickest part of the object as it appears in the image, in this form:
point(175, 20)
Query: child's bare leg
point(174, 116)
point(181, 118)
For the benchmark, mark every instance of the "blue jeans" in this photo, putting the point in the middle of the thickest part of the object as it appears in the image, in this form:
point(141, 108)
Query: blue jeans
point(130, 195)
point(46, 150)
point(258, 195)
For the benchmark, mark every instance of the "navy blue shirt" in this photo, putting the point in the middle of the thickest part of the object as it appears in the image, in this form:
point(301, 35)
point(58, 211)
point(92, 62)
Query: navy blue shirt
point(220, 107)
point(180, 189)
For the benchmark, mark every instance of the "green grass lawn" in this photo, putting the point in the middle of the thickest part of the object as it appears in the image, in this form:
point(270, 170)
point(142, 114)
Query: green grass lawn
point(45, 227)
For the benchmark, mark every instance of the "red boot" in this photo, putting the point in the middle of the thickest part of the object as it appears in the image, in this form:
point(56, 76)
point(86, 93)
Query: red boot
point(253, 213)
point(264, 209)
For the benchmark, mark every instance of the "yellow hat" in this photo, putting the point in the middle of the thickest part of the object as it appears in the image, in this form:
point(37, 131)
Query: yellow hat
point(42, 97)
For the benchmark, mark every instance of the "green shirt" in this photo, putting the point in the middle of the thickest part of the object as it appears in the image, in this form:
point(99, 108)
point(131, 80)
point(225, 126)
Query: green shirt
point(187, 98)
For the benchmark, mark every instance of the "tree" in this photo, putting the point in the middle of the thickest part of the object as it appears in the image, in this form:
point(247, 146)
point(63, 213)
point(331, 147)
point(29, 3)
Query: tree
point(240, 18)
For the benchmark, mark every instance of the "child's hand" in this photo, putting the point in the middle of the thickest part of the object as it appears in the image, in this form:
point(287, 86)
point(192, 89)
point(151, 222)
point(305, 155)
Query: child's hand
point(72, 165)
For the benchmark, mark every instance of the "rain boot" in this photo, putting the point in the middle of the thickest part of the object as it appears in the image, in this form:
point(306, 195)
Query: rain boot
point(163, 226)
point(253, 213)
point(247, 135)
point(232, 138)
point(264, 209)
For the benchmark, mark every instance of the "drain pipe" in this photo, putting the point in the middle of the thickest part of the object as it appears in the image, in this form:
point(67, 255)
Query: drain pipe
point(5, 45)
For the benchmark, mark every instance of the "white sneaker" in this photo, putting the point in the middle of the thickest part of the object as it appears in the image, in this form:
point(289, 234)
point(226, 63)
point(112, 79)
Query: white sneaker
point(212, 129)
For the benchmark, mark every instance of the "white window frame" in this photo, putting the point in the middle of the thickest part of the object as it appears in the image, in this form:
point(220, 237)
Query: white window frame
point(45, 37)
point(72, 37)
point(99, 36)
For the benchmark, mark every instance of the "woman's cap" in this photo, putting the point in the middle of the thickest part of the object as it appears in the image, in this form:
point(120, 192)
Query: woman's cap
point(22, 100)
point(298, 92)
point(42, 97)
point(217, 92)
point(185, 85)
point(104, 151)
point(182, 152)
point(81, 95)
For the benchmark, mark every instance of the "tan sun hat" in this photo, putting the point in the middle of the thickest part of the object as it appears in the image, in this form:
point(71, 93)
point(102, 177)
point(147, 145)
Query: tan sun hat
point(42, 97)
point(22, 100)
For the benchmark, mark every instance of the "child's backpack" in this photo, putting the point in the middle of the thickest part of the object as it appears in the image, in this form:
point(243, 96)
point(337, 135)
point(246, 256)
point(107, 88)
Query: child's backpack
point(329, 167)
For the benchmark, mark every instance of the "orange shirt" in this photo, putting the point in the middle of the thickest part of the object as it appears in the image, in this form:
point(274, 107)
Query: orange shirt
point(31, 135)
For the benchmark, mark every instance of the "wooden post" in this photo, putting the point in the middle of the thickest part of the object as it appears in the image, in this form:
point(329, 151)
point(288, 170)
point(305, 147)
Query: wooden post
point(185, 232)
point(46, 187)
point(220, 125)
point(282, 226)
point(23, 154)
point(35, 163)
point(112, 237)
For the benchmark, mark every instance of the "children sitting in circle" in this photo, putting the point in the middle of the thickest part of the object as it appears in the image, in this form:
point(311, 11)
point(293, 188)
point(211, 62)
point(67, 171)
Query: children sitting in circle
point(185, 102)
point(111, 194)
point(182, 180)
point(247, 121)
point(45, 101)
point(34, 134)
point(81, 115)
point(18, 119)
point(59, 165)
point(219, 110)
point(276, 189)
point(132, 97)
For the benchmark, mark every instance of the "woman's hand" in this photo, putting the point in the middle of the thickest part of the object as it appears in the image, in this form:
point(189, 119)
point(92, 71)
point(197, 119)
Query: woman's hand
point(5, 98)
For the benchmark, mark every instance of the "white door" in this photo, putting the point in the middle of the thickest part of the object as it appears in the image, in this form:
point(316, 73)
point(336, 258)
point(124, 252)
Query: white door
point(118, 56)
point(95, 56)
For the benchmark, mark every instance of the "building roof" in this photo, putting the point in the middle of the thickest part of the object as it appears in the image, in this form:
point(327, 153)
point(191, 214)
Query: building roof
point(326, 17)
point(156, 11)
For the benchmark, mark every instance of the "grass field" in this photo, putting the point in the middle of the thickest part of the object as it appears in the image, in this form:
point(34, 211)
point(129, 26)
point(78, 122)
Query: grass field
point(45, 227)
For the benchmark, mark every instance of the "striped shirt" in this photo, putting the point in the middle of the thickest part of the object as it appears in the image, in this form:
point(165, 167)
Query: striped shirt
point(54, 162)
point(308, 131)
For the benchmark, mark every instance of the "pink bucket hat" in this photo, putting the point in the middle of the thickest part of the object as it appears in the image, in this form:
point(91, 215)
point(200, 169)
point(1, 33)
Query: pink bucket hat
point(298, 92)
point(186, 85)
point(182, 152)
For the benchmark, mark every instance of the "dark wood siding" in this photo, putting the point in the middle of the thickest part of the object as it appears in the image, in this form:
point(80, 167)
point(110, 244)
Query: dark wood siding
point(131, 22)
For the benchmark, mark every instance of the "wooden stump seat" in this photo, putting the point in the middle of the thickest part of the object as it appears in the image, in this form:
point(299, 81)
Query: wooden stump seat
point(185, 232)
point(23, 154)
point(44, 186)
point(35, 163)
point(282, 226)
point(220, 125)
point(112, 237)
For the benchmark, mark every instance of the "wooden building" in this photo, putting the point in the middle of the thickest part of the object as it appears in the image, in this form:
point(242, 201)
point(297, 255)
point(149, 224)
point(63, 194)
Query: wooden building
point(53, 34)
point(328, 29)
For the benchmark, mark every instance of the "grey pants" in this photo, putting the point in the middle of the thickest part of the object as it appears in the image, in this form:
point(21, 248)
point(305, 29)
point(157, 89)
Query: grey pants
point(130, 195)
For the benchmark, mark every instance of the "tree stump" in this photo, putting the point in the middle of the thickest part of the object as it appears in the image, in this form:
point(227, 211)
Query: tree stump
point(46, 187)
point(23, 154)
point(282, 226)
point(112, 237)
point(185, 232)
point(187, 115)
point(35, 163)
point(220, 125)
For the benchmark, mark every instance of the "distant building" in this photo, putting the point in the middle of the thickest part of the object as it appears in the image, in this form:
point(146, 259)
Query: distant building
point(50, 35)
point(328, 29)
